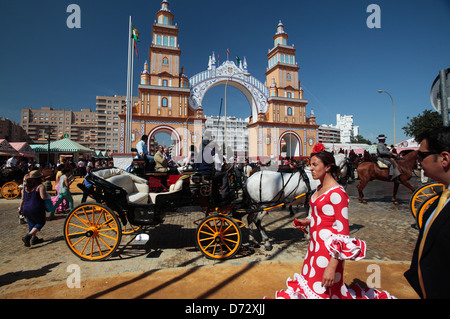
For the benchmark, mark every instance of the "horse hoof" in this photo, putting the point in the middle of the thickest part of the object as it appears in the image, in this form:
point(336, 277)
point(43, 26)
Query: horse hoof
point(363, 201)
point(395, 202)
point(267, 246)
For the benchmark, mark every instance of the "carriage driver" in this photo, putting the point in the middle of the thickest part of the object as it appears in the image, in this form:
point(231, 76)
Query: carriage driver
point(206, 167)
point(142, 150)
point(385, 156)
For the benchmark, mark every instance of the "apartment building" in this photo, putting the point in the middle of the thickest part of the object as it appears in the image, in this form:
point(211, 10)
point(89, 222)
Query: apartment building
point(12, 132)
point(108, 109)
point(237, 132)
point(329, 134)
point(79, 126)
point(98, 129)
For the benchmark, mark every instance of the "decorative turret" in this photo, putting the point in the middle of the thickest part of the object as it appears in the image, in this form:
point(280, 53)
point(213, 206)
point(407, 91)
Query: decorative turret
point(280, 38)
point(145, 75)
point(164, 16)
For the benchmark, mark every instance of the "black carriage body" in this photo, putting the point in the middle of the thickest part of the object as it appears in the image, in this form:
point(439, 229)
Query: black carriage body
point(116, 198)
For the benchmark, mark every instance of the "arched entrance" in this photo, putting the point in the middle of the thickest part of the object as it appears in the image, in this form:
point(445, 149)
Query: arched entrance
point(174, 135)
point(228, 73)
point(293, 144)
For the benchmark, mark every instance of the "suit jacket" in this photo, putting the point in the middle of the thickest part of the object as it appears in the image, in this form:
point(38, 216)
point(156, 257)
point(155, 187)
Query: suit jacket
point(160, 162)
point(435, 259)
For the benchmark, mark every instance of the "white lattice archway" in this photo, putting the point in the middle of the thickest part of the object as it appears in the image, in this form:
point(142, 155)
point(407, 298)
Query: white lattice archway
point(255, 91)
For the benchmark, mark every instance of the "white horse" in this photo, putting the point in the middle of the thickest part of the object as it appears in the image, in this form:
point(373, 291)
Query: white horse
point(268, 188)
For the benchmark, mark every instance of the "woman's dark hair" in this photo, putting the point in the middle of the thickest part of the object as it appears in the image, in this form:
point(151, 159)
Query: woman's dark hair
point(327, 158)
point(66, 170)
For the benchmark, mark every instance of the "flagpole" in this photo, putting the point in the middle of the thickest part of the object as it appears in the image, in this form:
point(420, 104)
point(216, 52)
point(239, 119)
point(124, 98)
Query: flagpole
point(129, 90)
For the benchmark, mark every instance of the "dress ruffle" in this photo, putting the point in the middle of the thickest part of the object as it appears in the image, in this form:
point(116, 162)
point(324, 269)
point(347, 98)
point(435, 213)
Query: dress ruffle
point(299, 289)
point(345, 248)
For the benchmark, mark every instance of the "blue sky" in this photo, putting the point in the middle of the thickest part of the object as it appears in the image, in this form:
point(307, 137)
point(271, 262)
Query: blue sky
point(343, 62)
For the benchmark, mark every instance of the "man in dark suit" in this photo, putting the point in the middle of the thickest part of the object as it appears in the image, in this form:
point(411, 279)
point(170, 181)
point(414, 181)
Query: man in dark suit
point(429, 273)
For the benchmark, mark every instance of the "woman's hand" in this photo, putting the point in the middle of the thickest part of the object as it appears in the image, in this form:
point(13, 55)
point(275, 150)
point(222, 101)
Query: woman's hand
point(302, 223)
point(329, 273)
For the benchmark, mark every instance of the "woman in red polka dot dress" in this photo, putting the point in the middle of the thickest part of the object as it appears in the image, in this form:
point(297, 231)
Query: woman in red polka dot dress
point(330, 244)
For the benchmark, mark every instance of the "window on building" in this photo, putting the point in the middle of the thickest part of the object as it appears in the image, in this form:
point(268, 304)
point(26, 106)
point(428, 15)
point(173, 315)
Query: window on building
point(164, 102)
point(289, 111)
point(165, 61)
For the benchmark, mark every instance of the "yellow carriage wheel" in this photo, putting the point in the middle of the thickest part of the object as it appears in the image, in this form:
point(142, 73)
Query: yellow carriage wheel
point(218, 237)
point(421, 194)
point(92, 231)
point(10, 190)
point(423, 208)
point(129, 229)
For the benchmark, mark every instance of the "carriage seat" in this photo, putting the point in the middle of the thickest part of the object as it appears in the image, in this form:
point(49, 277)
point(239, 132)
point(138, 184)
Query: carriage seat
point(178, 186)
point(136, 187)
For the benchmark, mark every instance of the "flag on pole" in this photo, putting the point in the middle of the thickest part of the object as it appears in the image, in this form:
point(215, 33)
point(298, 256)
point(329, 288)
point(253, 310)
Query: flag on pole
point(228, 54)
point(238, 60)
point(135, 35)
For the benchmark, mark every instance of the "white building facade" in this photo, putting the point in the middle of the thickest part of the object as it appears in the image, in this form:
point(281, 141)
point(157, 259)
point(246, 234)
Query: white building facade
point(237, 132)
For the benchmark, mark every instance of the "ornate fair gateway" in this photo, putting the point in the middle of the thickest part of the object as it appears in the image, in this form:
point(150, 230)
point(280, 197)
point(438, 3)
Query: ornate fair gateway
point(170, 102)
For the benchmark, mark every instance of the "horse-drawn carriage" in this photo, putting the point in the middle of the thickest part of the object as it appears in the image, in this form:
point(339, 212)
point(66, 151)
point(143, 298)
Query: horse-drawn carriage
point(10, 180)
point(93, 230)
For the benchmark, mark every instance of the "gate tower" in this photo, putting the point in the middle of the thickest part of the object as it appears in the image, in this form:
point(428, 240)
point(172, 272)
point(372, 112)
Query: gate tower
point(171, 102)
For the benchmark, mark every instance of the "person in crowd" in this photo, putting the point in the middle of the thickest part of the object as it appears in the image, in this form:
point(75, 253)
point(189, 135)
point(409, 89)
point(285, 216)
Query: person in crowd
point(330, 243)
point(161, 164)
point(206, 167)
point(142, 149)
point(33, 207)
point(87, 184)
point(64, 189)
point(64, 205)
point(247, 169)
point(428, 274)
point(387, 157)
point(168, 157)
point(189, 161)
point(12, 161)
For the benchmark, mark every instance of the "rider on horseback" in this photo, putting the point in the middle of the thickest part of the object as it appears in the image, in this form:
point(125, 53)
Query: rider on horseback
point(385, 156)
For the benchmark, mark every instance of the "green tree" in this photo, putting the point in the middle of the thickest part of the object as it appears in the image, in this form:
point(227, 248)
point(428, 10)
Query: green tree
point(358, 139)
point(422, 122)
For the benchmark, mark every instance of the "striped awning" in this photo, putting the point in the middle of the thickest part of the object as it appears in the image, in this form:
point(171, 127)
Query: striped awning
point(6, 148)
point(64, 145)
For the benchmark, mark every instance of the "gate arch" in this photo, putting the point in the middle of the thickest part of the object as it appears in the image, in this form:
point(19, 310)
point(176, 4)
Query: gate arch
point(255, 91)
point(175, 136)
point(293, 142)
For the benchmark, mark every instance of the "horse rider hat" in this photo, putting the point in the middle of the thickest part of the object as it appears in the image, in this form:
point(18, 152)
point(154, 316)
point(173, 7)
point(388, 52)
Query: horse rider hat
point(381, 137)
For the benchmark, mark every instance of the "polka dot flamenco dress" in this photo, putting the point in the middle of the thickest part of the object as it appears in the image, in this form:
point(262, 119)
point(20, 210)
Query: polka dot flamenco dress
point(329, 230)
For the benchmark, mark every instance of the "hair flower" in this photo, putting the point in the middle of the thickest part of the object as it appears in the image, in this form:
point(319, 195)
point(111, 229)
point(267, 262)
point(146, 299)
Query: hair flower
point(318, 148)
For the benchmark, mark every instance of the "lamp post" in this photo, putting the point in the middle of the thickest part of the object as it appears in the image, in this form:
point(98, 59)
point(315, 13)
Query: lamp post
point(393, 109)
point(225, 123)
point(48, 131)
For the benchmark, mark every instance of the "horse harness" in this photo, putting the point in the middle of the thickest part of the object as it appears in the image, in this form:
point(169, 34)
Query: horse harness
point(279, 194)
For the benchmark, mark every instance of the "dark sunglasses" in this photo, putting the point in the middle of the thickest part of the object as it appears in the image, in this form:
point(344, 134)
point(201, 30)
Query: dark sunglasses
point(422, 155)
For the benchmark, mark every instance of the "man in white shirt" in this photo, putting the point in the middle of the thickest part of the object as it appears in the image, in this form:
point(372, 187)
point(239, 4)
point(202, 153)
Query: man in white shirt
point(11, 162)
point(142, 149)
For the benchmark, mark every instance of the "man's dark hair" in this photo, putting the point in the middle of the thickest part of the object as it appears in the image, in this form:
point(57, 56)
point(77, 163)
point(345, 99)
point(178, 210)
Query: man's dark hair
point(144, 137)
point(438, 139)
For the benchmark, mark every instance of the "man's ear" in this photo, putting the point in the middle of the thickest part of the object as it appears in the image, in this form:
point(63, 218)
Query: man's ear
point(446, 159)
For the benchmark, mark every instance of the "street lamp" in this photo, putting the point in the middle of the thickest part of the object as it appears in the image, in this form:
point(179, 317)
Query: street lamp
point(48, 131)
point(225, 124)
point(393, 108)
